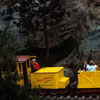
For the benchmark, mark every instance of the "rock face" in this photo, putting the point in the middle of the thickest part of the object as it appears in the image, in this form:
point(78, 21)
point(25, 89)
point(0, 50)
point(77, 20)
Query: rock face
point(80, 17)
point(69, 73)
point(86, 29)
point(79, 14)
point(7, 16)
point(90, 46)
point(91, 43)
point(68, 60)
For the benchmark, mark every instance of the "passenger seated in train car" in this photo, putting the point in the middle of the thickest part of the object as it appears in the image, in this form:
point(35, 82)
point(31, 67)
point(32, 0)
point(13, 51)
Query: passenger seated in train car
point(89, 67)
point(98, 67)
point(34, 66)
point(85, 66)
point(92, 66)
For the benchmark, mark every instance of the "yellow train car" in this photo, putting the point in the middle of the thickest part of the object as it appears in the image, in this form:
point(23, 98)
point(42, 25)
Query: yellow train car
point(24, 69)
point(88, 79)
point(49, 78)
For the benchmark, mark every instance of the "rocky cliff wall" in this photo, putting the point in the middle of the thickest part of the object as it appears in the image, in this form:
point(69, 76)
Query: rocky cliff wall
point(81, 16)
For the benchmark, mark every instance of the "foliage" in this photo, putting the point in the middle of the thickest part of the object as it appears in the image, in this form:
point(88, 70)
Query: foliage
point(7, 51)
point(38, 16)
point(10, 91)
point(8, 88)
point(32, 14)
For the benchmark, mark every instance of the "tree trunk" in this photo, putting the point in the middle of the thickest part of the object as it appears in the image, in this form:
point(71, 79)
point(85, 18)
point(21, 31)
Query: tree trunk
point(46, 42)
point(46, 35)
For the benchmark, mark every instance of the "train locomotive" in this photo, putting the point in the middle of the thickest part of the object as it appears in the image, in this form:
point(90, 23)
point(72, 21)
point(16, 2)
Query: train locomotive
point(51, 80)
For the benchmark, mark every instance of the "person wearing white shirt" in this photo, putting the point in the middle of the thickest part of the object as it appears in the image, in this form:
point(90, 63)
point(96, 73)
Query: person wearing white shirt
point(91, 66)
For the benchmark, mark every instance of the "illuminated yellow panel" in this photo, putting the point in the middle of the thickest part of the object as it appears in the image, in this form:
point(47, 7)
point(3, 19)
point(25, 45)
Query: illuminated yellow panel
point(89, 79)
point(49, 78)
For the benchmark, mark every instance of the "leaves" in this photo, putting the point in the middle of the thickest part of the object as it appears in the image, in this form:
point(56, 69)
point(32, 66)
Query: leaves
point(7, 50)
point(36, 16)
point(32, 13)
point(8, 88)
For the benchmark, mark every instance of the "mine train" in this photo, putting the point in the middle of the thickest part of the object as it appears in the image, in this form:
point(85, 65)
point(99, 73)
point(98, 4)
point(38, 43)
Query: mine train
point(51, 80)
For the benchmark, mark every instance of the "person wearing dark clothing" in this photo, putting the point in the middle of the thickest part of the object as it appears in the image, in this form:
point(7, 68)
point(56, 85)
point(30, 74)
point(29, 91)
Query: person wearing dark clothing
point(85, 66)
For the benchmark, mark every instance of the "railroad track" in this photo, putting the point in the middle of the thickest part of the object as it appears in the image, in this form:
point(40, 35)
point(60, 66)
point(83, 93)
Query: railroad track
point(69, 97)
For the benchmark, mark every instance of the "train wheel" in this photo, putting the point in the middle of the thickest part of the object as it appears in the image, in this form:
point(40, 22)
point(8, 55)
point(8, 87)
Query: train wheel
point(53, 92)
point(42, 92)
point(63, 91)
